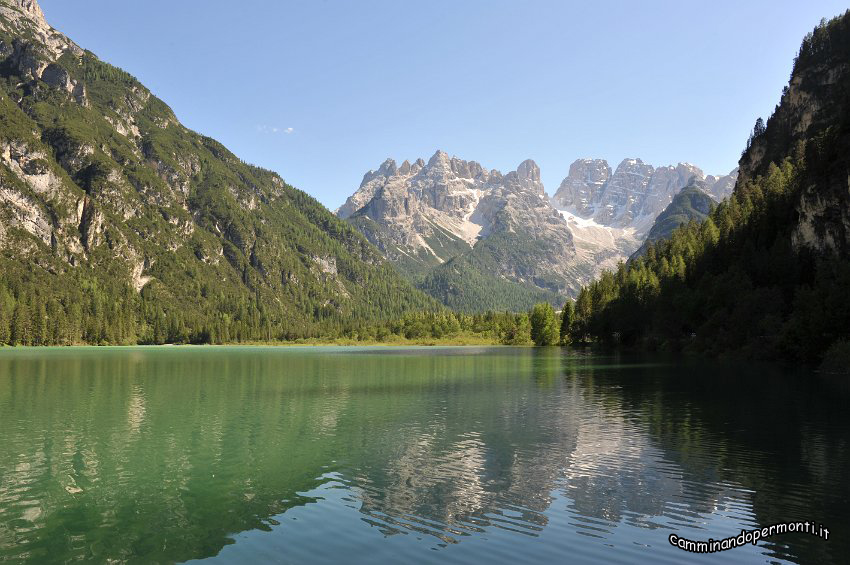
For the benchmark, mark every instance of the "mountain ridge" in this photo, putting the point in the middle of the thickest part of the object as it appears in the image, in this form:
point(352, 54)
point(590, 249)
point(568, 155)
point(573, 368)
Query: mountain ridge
point(448, 219)
point(453, 216)
point(633, 194)
point(120, 225)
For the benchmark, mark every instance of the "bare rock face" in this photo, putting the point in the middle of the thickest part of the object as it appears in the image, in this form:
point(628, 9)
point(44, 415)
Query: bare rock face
point(424, 214)
point(372, 181)
point(720, 188)
point(584, 184)
point(25, 19)
point(634, 195)
point(624, 193)
point(423, 199)
point(31, 9)
point(57, 77)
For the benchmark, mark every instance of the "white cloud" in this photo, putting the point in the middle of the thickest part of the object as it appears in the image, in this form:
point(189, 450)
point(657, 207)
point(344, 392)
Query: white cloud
point(274, 129)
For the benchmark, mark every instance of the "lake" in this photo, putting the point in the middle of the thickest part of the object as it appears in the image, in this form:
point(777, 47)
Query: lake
point(412, 455)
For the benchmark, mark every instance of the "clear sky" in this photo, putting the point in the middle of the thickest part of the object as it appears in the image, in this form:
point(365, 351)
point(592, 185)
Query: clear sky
point(323, 90)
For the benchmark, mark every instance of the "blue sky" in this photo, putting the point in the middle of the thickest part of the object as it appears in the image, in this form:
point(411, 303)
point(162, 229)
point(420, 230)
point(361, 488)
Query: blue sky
point(323, 90)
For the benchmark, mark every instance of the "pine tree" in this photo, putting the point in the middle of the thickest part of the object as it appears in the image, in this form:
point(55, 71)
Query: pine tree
point(20, 328)
point(38, 326)
point(567, 316)
point(544, 325)
point(4, 325)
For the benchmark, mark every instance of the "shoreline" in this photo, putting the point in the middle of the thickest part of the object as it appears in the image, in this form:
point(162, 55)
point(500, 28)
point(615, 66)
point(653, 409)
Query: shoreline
point(453, 342)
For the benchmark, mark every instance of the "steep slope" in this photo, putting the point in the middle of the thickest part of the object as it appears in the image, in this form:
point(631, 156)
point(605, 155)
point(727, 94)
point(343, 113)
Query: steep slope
point(634, 194)
point(813, 106)
point(118, 224)
point(767, 273)
point(421, 215)
point(691, 204)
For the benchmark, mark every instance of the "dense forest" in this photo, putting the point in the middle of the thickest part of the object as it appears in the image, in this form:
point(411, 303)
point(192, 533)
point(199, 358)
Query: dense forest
point(98, 309)
point(745, 281)
point(102, 315)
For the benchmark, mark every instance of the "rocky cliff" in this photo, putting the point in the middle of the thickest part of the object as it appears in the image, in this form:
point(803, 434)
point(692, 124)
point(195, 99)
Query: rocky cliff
point(809, 122)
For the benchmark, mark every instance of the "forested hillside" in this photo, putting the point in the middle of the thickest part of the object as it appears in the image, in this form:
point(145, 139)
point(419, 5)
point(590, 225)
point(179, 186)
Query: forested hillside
point(119, 225)
point(692, 204)
point(767, 273)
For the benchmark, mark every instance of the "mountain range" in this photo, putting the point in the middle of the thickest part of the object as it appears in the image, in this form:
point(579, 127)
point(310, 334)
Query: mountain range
point(475, 238)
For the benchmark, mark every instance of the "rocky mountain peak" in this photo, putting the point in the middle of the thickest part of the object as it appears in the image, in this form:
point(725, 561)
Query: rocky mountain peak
point(440, 157)
point(585, 179)
point(30, 9)
point(388, 168)
point(633, 165)
point(525, 178)
point(25, 15)
point(37, 43)
point(438, 215)
point(634, 194)
point(529, 170)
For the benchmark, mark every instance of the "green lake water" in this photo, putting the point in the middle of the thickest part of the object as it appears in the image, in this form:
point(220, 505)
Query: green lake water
point(419, 455)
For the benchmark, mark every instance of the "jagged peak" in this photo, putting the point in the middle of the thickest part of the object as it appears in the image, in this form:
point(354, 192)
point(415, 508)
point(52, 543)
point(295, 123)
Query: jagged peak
point(24, 10)
point(528, 169)
point(30, 8)
point(631, 164)
point(24, 18)
point(439, 157)
point(388, 167)
point(589, 160)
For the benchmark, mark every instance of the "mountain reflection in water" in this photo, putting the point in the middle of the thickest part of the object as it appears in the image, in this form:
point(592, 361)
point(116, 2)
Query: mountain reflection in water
point(370, 454)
